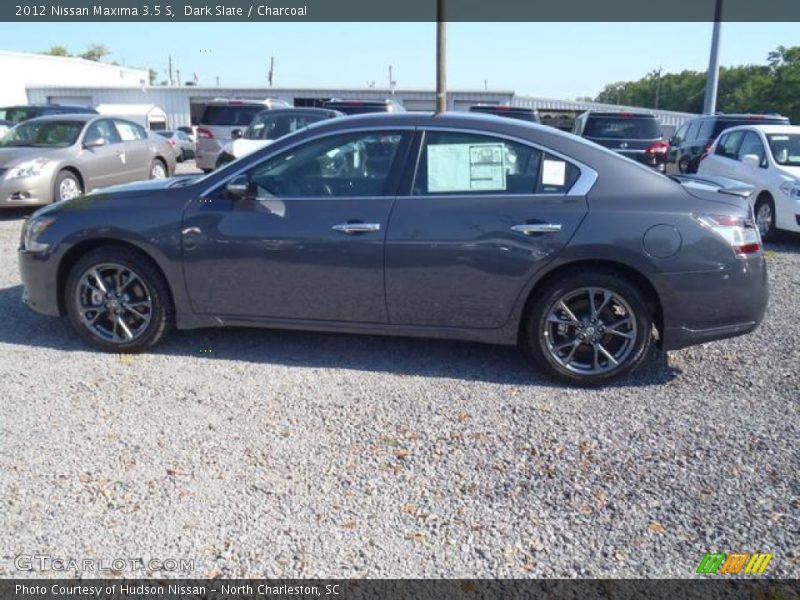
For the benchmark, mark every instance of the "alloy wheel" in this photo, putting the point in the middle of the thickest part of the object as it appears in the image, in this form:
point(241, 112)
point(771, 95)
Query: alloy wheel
point(68, 189)
point(114, 303)
point(590, 331)
point(157, 171)
point(764, 218)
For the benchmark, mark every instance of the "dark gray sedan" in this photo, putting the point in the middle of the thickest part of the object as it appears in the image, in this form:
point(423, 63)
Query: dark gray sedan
point(451, 226)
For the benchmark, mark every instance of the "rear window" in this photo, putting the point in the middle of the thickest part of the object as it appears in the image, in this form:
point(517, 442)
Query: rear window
point(630, 128)
point(17, 114)
point(230, 115)
point(723, 124)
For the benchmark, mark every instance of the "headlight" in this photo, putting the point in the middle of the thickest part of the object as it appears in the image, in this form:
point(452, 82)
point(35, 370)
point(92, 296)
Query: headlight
point(34, 227)
point(791, 189)
point(30, 168)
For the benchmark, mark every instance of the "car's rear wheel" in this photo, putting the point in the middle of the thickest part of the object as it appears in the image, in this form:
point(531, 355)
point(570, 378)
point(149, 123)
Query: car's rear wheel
point(118, 300)
point(158, 170)
point(683, 165)
point(765, 217)
point(589, 327)
point(67, 186)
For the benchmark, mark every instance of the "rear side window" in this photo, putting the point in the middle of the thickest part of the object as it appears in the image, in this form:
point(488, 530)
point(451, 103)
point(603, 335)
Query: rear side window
point(230, 115)
point(462, 163)
point(691, 133)
point(631, 128)
point(706, 131)
point(729, 145)
point(129, 132)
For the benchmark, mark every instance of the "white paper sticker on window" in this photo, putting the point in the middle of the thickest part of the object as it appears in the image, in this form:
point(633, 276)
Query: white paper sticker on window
point(466, 167)
point(554, 172)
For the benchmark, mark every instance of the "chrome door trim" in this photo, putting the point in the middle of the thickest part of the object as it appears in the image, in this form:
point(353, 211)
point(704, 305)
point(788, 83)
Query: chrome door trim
point(351, 228)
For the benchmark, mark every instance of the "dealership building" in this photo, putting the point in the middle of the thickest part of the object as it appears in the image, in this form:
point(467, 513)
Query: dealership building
point(46, 79)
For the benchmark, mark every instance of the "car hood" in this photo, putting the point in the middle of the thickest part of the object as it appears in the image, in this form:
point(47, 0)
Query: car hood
point(14, 155)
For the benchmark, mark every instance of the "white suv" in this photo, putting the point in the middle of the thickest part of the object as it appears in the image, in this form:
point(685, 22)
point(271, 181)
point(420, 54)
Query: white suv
point(767, 157)
point(220, 117)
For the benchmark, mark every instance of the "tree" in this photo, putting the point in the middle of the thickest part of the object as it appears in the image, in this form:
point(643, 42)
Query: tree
point(95, 52)
point(58, 51)
point(152, 75)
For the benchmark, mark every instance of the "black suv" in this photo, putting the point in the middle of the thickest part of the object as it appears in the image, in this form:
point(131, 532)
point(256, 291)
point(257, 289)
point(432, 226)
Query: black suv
point(512, 112)
point(359, 107)
point(636, 135)
point(696, 135)
point(17, 114)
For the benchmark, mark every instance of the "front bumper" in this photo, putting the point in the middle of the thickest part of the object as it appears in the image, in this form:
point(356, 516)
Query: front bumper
point(705, 306)
point(26, 191)
point(40, 282)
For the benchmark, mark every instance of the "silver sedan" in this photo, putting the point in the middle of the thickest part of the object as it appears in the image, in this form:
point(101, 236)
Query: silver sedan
point(56, 158)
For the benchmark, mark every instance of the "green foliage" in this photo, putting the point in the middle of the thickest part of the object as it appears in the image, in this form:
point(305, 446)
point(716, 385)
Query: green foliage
point(94, 52)
point(774, 87)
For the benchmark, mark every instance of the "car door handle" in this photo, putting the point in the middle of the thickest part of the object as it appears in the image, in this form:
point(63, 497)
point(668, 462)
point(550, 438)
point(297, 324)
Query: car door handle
point(531, 228)
point(357, 227)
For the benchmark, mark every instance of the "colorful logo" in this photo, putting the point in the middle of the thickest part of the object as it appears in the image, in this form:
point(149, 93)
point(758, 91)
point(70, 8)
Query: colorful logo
point(731, 564)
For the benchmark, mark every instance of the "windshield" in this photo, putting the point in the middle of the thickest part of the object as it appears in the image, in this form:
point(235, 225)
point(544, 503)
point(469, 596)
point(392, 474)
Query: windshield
point(229, 115)
point(43, 134)
point(16, 114)
point(629, 128)
point(272, 127)
point(785, 148)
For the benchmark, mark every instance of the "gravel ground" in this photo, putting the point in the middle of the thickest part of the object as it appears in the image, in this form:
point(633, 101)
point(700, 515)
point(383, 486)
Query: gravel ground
point(267, 453)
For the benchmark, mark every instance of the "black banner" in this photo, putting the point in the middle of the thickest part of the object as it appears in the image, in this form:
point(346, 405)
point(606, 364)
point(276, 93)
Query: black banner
point(396, 10)
point(393, 589)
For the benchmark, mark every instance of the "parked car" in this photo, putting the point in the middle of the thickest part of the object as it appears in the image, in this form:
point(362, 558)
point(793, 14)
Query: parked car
point(635, 135)
point(220, 118)
point(57, 158)
point(415, 225)
point(268, 126)
point(696, 135)
point(5, 126)
point(511, 112)
point(17, 114)
point(768, 158)
point(183, 146)
point(360, 107)
point(189, 130)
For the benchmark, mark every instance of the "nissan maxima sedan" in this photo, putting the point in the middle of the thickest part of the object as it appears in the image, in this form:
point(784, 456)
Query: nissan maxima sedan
point(451, 226)
point(56, 158)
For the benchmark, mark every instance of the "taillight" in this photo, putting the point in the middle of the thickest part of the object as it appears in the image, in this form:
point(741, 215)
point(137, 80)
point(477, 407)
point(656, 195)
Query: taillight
point(202, 132)
point(740, 232)
point(171, 142)
point(658, 148)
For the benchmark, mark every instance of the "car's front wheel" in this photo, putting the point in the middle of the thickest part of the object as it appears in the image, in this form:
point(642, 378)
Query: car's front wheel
point(67, 186)
point(589, 327)
point(158, 170)
point(118, 300)
point(765, 217)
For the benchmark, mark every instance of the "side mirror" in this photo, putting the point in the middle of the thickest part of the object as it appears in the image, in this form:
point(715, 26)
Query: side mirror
point(751, 160)
point(94, 142)
point(238, 187)
point(236, 134)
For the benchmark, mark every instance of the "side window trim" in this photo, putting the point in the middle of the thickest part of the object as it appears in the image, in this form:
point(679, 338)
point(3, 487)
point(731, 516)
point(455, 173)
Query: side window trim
point(585, 181)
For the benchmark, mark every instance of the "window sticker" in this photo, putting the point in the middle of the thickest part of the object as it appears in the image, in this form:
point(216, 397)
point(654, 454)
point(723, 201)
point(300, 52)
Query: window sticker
point(466, 167)
point(554, 172)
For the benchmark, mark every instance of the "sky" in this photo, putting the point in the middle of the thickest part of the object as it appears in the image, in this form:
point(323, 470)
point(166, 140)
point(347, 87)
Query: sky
point(550, 60)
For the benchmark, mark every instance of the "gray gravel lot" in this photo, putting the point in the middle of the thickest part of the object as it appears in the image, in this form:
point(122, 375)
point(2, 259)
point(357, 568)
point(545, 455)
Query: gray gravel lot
point(268, 453)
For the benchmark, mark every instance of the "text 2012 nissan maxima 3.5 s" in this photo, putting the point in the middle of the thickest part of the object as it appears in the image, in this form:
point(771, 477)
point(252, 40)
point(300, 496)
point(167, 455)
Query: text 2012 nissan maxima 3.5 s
point(451, 226)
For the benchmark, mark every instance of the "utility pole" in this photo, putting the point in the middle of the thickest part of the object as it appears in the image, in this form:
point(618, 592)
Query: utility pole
point(485, 85)
point(712, 77)
point(271, 74)
point(217, 80)
point(177, 76)
point(392, 82)
point(441, 58)
point(658, 87)
point(170, 70)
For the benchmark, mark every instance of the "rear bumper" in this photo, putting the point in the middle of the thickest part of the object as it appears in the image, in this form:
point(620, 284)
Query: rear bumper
point(206, 153)
point(705, 306)
point(39, 281)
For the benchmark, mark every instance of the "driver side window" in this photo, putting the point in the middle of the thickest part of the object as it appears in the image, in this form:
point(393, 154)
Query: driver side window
point(347, 165)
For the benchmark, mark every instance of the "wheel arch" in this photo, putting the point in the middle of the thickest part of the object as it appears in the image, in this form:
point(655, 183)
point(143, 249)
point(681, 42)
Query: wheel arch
point(80, 249)
point(631, 274)
point(75, 171)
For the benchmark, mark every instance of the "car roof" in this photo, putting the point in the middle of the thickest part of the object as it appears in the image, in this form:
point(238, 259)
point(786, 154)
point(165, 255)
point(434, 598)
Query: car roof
point(308, 110)
point(85, 117)
point(766, 128)
point(620, 113)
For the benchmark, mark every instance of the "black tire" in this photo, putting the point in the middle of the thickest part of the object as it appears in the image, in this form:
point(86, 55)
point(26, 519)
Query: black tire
point(69, 178)
point(157, 162)
point(765, 204)
point(537, 330)
point(161, 313)
point(182, 156)
point(683, 165)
